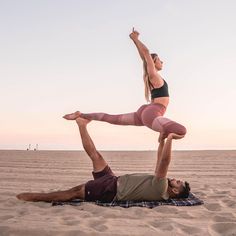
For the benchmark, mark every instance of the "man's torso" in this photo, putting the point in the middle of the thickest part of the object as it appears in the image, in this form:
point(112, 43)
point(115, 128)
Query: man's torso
point(141, 187)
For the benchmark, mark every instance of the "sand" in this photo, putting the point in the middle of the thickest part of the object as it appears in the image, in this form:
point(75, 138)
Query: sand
point(212, 175)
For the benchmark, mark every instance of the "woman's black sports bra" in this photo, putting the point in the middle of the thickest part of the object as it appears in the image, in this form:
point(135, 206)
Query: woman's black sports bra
point(159, 92)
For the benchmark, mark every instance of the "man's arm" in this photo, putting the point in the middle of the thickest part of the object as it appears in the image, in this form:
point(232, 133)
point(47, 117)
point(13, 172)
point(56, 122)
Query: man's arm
point(165, 157)
point(159, 152)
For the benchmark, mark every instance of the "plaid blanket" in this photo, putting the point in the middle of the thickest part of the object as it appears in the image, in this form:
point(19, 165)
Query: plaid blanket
point(192, 200)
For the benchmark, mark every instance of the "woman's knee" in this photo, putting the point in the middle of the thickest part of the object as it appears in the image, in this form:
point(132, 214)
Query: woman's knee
point(175, 128)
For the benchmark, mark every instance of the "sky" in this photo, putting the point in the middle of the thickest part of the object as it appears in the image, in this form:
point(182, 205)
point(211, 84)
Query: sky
point(60, 56)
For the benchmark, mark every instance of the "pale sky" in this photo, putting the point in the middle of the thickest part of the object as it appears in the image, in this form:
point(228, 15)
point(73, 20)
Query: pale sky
point(59, 56)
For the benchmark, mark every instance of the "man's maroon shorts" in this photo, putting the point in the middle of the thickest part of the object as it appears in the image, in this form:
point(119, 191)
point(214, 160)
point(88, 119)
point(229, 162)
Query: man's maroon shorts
point(103, 187)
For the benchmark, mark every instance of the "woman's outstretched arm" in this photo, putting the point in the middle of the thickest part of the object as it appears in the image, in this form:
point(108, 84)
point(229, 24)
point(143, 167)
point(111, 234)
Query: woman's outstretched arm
point(133, 35)
point(145, 55)
point(142, 49)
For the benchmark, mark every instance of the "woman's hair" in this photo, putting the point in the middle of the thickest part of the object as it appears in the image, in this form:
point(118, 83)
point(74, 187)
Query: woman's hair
point(146, 78)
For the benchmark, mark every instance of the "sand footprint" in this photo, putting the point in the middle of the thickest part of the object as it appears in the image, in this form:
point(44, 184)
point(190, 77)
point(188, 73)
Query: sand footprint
point(11, 202)
point(224, 192)
point(228, 217)
point(162, 226)
point(230, 203)
point(167, 209)
point(22, 212)
point(185, 215)
point(6, 217)
point(98, 225)
point(190, 230)
point(69, 220)
point(212, 206)
point(58, 209)
point(4, 230)
point(226, 229)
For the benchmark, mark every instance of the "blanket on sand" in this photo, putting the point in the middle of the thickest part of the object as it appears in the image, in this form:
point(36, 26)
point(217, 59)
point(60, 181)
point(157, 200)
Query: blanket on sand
point(192, 200)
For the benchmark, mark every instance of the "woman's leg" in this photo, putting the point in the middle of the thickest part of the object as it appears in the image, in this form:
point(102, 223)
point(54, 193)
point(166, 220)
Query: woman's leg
point(152, 117)
point(149, 115)
point(121, 119)
point(168, 126)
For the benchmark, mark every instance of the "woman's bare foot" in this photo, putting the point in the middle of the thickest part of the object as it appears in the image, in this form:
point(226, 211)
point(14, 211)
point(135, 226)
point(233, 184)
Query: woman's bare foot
point(72, 116)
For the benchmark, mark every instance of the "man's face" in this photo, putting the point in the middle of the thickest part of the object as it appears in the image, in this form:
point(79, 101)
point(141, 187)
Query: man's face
point(177, 184)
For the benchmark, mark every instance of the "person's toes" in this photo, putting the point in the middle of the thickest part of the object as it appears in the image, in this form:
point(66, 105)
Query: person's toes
point(72, 116)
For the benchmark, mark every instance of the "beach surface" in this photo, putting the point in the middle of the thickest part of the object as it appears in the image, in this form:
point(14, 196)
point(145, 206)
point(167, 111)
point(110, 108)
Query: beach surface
point(211, 174)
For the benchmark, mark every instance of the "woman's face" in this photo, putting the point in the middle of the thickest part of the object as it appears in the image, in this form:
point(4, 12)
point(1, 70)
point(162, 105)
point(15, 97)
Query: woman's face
point(158, 63)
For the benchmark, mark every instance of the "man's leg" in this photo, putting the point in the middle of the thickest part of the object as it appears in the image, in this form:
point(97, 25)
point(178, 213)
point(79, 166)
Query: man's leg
point(67, 195)
point(79, 191)
point(98, 162)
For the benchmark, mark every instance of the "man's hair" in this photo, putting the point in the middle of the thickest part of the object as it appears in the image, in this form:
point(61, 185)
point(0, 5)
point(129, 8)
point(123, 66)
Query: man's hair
point(185, 191)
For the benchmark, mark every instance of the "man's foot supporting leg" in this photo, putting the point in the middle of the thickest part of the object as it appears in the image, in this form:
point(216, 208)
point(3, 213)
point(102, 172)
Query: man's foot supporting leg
point(98, 162)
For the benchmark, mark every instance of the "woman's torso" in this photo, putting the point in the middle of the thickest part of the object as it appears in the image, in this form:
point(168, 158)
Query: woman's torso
point(159, 92)
point(163, 101)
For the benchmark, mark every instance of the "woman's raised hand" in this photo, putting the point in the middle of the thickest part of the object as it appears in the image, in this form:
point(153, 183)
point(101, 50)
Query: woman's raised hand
point(134, 35)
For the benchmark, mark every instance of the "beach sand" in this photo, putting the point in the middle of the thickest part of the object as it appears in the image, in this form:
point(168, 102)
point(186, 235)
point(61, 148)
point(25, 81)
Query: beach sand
point(212, 175)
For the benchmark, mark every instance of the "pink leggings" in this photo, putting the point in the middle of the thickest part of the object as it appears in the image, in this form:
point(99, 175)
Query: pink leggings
point(150, 115)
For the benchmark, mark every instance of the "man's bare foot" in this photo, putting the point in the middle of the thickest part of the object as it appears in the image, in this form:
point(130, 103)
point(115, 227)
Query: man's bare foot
point(25, 196)
point(72, 116)
point(81, 121)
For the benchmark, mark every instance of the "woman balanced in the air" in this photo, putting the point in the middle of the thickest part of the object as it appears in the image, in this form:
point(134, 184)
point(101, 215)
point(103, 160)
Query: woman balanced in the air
point(150, 115)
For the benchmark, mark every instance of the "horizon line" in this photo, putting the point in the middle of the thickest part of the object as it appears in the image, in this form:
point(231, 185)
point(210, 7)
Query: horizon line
point(115, 150)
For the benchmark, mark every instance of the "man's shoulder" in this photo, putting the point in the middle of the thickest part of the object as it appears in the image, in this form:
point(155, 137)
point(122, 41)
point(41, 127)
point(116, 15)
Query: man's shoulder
point(160, 181)
point(162, 185)
point(161, 178)
point(137, 174)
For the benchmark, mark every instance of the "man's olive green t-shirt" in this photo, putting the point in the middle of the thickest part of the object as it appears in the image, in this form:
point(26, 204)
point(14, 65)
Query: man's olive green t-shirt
point(141, 187)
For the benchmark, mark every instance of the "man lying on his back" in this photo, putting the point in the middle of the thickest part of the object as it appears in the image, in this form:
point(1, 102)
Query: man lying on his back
point(108, 187)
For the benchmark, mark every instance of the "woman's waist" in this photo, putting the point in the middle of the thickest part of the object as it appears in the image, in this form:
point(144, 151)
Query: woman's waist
point(164, 101)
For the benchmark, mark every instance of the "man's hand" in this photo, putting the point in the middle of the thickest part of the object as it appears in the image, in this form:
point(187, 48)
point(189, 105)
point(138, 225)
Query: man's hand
point(175, 136)
point(134, 35)
point(82, 122)
point(161, 138)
